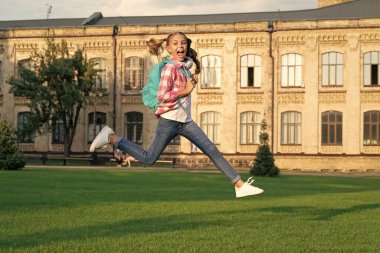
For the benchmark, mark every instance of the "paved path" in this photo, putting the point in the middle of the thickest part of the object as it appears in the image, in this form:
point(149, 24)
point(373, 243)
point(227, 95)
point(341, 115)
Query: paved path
point(199, 170)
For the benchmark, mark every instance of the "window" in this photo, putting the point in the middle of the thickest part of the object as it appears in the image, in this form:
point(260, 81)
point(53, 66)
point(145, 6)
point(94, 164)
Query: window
point(95, 126)
point(22, 120)
point(1, 75)
point(250, 71)
point(291, 128)
point(176, 140)
point(26, 64)
point(134, 73)
point(332, 128)
point(249, 128)
point(332, 69)
point(372, 68)
point(372, 128)
point(58, 132)
point(134, 126)
point(211, 71)
point(211, 126)
point(101, 77)
point(291, 72)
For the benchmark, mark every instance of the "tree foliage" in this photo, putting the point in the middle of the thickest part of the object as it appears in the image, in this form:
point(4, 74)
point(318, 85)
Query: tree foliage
point(264, 164)
point(10, 155)
point(57, 87)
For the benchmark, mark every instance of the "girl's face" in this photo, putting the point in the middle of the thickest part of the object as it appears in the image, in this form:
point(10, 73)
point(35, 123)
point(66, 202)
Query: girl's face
point(177, 47)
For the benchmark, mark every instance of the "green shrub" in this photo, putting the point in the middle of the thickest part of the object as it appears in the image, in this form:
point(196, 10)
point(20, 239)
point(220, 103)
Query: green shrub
point(10, 156)
point(264, 162)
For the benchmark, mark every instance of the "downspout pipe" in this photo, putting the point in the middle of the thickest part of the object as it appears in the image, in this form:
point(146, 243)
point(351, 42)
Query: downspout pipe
point(270, 32)
point(114, 35)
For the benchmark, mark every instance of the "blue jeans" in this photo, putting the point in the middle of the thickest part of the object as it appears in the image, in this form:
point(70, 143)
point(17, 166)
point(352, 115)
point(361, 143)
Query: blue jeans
point(166, 131)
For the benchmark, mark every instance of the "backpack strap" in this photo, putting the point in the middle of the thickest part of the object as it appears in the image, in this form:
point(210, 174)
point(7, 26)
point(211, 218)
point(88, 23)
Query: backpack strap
point(187, 74)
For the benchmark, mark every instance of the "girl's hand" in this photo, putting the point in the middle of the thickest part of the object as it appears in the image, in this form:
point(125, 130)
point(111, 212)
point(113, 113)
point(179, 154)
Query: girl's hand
point(190, 85)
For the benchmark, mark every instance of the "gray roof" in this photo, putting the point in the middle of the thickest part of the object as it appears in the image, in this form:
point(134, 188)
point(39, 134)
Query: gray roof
point(350, 10)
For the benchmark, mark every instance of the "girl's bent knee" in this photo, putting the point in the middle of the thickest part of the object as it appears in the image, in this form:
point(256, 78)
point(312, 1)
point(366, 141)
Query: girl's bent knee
point(150, 161)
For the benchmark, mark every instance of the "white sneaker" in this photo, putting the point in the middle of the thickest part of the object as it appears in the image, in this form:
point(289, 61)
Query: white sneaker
point(101, 139)
point(247, 189)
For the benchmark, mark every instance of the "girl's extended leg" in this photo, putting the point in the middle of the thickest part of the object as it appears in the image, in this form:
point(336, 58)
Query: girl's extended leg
point(195, 134)
point(166, 131)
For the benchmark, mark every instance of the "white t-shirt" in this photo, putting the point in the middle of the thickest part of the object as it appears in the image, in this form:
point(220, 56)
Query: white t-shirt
point(182, 113)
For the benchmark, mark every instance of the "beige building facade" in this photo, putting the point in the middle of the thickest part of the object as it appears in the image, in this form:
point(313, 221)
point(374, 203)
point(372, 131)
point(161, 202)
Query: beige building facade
point(313, 75)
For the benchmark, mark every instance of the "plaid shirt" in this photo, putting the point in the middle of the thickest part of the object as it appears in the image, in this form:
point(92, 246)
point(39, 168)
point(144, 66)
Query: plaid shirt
point(172, 80)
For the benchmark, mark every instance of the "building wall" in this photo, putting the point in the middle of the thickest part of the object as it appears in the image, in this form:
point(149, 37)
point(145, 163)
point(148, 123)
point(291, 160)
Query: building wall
point(230, 41)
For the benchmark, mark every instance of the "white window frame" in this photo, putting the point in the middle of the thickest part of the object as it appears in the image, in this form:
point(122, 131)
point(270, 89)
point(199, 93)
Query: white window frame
point(100, 65)
point(291, 127)
point(98, 125)
point(134, 73)
point(332, 69)
point(371, 60)
point(291, 70)
point(211, 71)
point(210, 124)
point(250, 127)
point(250, 63)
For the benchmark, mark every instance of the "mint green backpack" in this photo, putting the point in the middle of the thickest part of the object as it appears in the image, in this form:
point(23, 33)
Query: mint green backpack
point(150, 90)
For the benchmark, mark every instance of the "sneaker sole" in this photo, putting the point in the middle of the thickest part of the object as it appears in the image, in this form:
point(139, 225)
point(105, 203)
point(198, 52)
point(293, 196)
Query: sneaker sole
point(92, 147)
point(252, 194)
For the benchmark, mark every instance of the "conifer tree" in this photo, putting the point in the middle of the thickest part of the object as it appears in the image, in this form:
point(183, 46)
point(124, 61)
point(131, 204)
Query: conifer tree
point(10, 155)
point(264, 162)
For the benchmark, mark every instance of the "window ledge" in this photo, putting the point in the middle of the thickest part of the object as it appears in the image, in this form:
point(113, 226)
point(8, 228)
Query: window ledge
point(333, 91)
point(132, 93)
point(210, 91)
point(291, 91)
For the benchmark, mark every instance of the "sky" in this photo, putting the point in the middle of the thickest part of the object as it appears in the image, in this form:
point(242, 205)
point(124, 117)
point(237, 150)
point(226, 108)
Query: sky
point(39, 9)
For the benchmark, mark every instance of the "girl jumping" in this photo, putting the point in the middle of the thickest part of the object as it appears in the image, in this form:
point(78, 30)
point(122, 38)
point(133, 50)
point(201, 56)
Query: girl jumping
point(174, 114)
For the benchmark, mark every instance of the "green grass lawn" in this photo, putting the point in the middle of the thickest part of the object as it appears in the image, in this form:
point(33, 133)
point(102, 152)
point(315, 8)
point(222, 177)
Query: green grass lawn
point(161, 211)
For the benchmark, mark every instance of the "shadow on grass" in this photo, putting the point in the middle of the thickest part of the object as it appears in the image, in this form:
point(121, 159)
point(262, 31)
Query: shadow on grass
point(320, 214)
point(327, 214)
point(33, 189)
point(152, 225)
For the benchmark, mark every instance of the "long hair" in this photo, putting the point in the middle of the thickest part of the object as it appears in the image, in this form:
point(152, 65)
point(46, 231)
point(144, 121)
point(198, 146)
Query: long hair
point(155, 47)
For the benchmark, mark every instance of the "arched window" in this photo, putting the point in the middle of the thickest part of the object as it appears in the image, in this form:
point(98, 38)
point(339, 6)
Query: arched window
point(332, 69)
point(95, 124)
point(134, 126)
point(26, 64)
point(211, 71)
point(100, 65)
point(250, 71)
point(291, 70)
point(22, 119)
point(176, 140)
point(332, 129)
point(210, 124)
point(291, 128)
point(58, 132)
point(372, 68)
point(1, 76)
point(249, 128)
point(371, 128)
point(134, 73)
